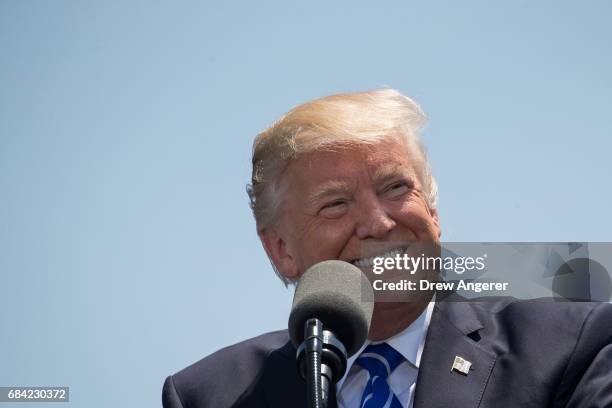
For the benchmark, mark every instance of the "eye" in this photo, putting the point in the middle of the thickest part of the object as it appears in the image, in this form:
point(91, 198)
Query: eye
point(334, 209)
point(397, 189)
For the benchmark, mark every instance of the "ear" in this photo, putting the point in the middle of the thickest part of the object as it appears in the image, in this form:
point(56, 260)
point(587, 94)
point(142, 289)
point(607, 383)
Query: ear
point(276, 248)
point(436, 219)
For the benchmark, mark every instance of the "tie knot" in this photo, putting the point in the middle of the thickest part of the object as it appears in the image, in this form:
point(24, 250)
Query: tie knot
point(379, 359)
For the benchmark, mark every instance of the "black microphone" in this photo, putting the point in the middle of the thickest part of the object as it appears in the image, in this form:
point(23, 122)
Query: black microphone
point(330, 319)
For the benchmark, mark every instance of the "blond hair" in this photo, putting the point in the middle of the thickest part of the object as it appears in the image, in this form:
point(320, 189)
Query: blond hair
point(332, 121)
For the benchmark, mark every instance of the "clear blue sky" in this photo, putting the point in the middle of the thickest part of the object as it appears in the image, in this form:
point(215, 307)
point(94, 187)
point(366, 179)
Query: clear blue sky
point(127, 248)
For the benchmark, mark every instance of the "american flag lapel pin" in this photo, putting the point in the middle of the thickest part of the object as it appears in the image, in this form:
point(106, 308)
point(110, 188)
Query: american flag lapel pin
point(461, 365)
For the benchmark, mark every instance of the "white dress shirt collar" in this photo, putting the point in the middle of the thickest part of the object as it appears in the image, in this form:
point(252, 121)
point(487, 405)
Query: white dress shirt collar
point(409, 342)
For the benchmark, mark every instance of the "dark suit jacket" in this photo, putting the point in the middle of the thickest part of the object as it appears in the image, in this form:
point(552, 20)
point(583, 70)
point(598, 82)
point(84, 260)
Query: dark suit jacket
point(523, 354)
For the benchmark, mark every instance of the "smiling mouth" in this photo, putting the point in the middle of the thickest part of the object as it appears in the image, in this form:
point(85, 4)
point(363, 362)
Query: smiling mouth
point(368, 262)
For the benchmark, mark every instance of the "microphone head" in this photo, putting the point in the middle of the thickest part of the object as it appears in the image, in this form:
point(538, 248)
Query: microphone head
point(340, 296)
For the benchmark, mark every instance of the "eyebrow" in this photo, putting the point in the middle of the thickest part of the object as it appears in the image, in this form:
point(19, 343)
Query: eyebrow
point(391, 170)
point(329, 188)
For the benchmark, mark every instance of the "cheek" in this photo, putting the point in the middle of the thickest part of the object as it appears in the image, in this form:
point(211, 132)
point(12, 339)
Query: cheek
point(415, 216)
point(324, 239)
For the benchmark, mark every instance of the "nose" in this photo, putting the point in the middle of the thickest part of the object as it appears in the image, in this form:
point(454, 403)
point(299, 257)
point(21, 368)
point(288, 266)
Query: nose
point(373, 220)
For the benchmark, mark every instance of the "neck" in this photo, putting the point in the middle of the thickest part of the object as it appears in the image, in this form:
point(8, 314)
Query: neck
point(391, 318)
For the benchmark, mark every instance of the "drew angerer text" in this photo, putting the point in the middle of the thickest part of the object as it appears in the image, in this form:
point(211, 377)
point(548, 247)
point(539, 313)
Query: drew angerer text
point(424, 284)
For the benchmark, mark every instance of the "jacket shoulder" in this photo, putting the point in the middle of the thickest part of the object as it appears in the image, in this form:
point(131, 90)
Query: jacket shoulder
point(548, 313)
point(221, 378)
point(546, 321)
point(564, 347)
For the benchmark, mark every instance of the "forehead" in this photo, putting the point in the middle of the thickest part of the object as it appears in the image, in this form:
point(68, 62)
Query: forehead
point(381, 160)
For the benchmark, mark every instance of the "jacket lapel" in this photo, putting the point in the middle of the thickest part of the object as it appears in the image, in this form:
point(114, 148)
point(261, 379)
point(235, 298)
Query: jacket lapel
point(447, 337)
point(280, 385)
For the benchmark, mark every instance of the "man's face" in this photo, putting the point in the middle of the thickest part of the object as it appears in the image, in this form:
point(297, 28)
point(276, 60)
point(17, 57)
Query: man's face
point(337, 204)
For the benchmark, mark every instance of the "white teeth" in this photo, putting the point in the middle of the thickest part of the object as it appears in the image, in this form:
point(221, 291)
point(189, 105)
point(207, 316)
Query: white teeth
point(369, 262)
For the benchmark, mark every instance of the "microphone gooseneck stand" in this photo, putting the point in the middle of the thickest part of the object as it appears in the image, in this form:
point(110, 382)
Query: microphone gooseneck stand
point(321, 362)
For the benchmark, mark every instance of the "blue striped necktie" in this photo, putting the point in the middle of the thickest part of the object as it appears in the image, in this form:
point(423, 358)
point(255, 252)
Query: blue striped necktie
point(379, 360)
